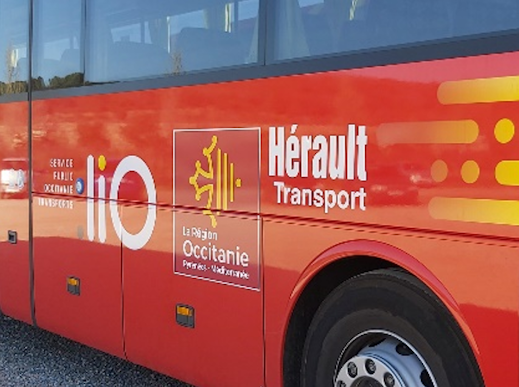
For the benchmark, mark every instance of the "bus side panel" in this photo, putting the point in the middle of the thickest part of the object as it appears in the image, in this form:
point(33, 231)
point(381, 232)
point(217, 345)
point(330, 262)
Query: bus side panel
point(412, 135)
point(430, 148)
point(481, 277)
point(224, 347)
point(14, 204)
point(128, 138)
point(89, 311)
point(73, 236)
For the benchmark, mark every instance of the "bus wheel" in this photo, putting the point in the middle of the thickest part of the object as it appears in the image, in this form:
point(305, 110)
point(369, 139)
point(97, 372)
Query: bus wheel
point(386, 329)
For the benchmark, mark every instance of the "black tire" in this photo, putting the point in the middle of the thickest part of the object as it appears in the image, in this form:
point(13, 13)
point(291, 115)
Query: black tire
point(392, 318)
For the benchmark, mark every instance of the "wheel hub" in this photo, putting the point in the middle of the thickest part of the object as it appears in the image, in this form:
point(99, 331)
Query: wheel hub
point(384, 360)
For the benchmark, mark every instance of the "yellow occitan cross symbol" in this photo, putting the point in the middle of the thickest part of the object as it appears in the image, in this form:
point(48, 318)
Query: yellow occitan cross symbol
point(223, 178)
point(209, 188)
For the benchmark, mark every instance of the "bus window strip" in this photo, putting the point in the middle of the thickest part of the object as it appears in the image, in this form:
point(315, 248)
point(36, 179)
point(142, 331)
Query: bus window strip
point(483, 44)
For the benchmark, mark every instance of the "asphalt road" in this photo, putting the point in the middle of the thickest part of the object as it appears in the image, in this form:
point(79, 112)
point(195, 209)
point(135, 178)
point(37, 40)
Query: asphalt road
point(35, 358)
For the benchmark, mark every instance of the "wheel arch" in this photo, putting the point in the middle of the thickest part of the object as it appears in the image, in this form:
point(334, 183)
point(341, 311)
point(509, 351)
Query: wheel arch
point(333, 267)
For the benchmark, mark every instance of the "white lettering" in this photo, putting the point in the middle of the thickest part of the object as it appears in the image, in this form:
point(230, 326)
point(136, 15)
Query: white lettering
point(276, 151)
point(335, 156)
point(212, 253)
point(362, 141)
point(61, 163)
point(293, 154)
point(127, 165)
point(320, 161)
point(328, 199)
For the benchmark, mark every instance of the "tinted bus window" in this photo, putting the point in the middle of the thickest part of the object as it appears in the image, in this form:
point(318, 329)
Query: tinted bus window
point(135, 39)
point(317, 27)
point(57, 44)
point(14, 32)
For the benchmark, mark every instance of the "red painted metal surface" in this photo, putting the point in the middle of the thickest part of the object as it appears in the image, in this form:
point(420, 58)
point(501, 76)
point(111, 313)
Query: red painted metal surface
point(434, 193)
point(14, 203)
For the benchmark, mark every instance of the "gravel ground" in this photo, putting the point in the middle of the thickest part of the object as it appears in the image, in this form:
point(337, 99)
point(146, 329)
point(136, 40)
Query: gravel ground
point(35, 358)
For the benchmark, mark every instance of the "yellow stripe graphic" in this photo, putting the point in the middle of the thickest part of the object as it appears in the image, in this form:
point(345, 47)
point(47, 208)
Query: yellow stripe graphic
point(507, 172)
point(219, 179)
point(433, 132)
point(490, 211)
point(485, 90)
point(232, 182)
point(225, 181)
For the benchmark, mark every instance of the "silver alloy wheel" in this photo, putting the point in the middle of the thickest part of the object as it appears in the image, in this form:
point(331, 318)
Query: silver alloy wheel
point(378, 358)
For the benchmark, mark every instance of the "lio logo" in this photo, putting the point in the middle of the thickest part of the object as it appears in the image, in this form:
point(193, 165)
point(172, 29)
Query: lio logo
point(222, 183)
point(126, 165)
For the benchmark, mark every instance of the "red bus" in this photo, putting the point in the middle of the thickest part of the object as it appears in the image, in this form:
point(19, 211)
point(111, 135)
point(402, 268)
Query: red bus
point(266, 193)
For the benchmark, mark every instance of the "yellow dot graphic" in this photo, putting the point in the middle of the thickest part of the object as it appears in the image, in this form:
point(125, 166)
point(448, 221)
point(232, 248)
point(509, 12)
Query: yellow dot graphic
point(102, 163)
point(439, 171)
point(470, 171)
point(504, 130)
